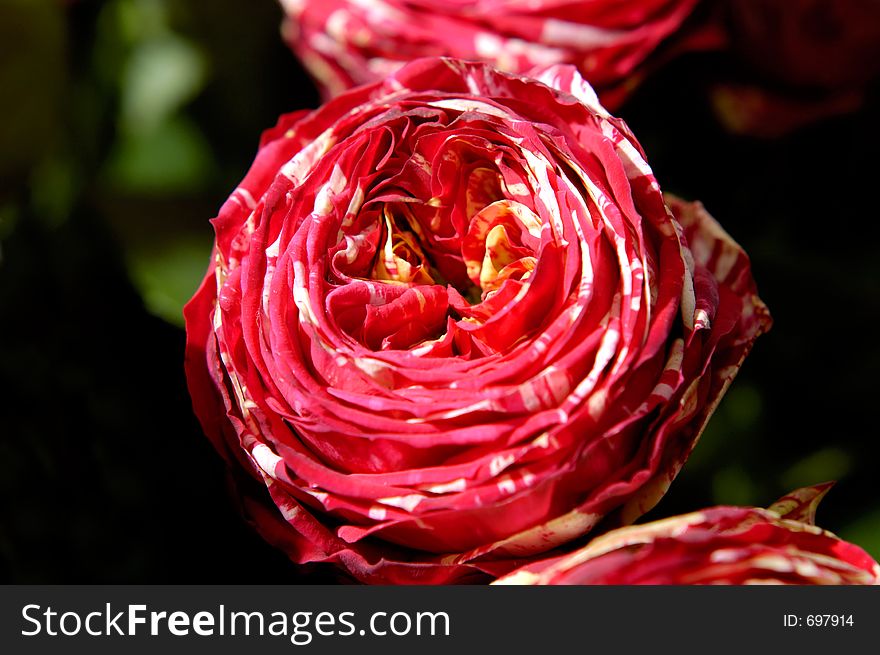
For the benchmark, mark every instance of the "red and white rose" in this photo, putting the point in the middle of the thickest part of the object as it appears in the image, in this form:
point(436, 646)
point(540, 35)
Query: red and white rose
point(719, 545)
point(451, 323)
point(344, 43)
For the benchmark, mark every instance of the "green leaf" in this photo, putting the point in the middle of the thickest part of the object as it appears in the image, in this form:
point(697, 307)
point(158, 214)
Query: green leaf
point(173, 158)
point(160, 77)
point(865, 532)
point(732, 485)
point(168, 277)
point(827, 464)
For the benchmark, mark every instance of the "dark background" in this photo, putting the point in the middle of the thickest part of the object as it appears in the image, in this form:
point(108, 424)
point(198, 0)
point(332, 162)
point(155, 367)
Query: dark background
point(123, 127)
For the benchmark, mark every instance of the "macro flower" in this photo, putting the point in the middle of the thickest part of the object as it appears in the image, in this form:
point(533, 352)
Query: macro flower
point(719, 545)
point(344, 43)
point(451, 322)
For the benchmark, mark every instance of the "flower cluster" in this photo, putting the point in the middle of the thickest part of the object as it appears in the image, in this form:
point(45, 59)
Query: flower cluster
point(802, 59)
point(452, 327)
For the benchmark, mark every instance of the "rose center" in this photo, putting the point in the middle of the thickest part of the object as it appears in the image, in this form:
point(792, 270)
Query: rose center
point(449, 244)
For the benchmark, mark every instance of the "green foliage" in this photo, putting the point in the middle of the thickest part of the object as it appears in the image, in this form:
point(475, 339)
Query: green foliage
point(31, 50)
point(165, 277)
point(171, 158)
point(865, 532)
point(732, 485)
point(159, 151)
point(830, 463)
point(160, 76)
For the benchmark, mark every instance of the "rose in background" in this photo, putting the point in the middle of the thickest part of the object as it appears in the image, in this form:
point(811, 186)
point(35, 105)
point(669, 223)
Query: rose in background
point(344, 43)
point(451, 323)
point(800, 60)
point(719, 545)
point(805, 60)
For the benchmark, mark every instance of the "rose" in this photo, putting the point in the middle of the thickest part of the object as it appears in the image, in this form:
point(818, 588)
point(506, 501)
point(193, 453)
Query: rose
point(720, 545)
point(450, 323)
point(805, 60)
point(345, 43)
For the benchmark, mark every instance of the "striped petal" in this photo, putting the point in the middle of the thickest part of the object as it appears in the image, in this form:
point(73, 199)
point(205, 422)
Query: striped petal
point(720, 545)
point(451, 323)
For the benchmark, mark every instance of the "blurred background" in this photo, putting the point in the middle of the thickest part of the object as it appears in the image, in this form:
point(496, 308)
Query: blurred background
point(125, 124)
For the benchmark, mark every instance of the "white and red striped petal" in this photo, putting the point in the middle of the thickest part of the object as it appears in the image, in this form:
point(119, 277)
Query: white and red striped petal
point(344, 43)
point(719, 545)
point(451, 322)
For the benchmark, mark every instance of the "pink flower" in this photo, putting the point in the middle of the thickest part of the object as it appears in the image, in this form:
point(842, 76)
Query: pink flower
point(346, 43)
point(450, 323)
point(720, 545)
